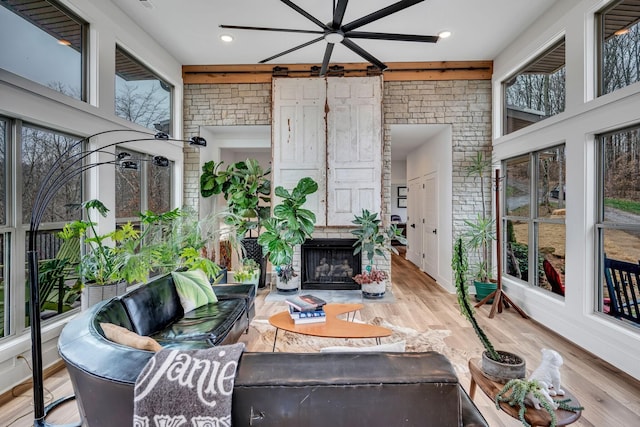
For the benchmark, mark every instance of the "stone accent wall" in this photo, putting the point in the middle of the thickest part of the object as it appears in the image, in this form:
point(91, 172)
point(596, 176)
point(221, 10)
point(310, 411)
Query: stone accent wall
point(219, 105)
point(465, 104)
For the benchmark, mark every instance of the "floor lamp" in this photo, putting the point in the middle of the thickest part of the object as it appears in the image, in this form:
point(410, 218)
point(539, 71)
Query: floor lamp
point(72, 163)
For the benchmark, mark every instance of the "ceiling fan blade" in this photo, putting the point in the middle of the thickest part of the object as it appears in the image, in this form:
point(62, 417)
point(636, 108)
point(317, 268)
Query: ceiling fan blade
point(293, 49)
point(364, 54)
point(304, 13)
point(385, 11)
point(326, 59)
point(391, 36)
point(286, 30)
point(338, 14)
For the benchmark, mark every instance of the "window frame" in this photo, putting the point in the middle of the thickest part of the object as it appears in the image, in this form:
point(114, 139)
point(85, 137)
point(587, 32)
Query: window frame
point(533, 220)
point(121, 50)
point(601, 225)
point(505, 118)
point(84, 46)
point(600, 31)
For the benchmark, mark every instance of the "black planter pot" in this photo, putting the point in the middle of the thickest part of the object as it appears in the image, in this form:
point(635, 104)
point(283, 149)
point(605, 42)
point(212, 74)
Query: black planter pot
point(254, 251)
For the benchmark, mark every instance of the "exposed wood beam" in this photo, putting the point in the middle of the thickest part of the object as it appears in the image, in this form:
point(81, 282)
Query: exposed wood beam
point(397, 71)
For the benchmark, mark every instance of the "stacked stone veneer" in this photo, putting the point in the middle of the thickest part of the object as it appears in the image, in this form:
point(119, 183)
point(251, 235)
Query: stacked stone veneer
point(463, 104)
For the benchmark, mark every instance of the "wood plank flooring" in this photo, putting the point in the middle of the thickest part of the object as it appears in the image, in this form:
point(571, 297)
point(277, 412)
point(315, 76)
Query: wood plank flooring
point(610, 397)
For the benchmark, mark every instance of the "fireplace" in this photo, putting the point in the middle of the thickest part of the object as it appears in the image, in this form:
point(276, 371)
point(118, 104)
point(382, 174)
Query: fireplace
point(329, 264)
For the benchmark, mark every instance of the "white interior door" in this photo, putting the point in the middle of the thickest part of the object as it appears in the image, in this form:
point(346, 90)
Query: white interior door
point(414, 223)
point(430, 230)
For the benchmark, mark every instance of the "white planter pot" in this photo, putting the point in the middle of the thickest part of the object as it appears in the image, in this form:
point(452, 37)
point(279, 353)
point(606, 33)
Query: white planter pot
point(289, 287)
point(253, 280)
point(93, 294)
point(374, 290)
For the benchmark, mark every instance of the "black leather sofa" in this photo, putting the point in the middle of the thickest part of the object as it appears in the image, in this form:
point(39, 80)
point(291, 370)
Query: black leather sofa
point(271, 389)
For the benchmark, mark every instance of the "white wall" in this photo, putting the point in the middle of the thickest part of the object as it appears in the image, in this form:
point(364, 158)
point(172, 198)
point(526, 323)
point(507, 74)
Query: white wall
point(39, 105)
point(436, 156)
point(574, 316)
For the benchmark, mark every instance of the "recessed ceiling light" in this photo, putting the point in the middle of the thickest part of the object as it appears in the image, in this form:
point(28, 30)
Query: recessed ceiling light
point(621, 31)
point(444, 34)
point(226, 38)
point(64, 42)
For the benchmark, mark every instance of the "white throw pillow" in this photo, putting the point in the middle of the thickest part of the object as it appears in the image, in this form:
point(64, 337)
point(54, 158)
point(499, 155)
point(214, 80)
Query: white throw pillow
point(394, 347)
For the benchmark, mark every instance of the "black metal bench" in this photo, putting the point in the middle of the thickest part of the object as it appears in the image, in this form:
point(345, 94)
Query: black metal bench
point(623, 279)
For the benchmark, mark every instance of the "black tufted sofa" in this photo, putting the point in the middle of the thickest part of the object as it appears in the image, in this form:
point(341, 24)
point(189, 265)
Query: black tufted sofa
point(271, 389)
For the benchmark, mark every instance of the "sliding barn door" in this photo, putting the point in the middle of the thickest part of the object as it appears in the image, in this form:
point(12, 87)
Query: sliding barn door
point(299, 141)
point(330, 130)
point(354, 147)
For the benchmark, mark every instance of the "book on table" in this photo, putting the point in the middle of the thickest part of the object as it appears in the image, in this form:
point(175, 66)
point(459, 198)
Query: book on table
point(304, 320)
point(305, 302)
point(297, 314)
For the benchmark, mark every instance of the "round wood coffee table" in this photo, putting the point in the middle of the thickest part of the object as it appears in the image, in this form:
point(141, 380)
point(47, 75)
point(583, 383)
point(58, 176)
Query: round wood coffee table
point(332, 328)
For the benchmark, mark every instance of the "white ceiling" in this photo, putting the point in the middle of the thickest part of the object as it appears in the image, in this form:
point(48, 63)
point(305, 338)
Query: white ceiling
point(189, 30)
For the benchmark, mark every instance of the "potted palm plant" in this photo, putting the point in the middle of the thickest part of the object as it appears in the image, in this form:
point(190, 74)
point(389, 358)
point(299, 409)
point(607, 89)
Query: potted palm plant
point(247, 190)
point(373, 239)
point(290, 225)
point(481, 233)
point(498, 365)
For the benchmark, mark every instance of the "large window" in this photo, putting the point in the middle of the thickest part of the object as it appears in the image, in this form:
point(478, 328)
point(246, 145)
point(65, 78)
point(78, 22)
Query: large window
point(141, 96)
point(619, 45)
point(39, 149)
point(47, 44)
point(534, 219)
point(535, 92)
point(618, 223)
point(143, 185)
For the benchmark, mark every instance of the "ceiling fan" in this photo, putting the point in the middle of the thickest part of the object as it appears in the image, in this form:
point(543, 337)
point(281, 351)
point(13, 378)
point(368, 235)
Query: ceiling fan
point(334, 32)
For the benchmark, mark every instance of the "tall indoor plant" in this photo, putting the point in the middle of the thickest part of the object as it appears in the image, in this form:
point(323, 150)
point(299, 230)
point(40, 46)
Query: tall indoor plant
point(289, 226)
point(247, 189)
point(480, 232)
point(372, 239)
point(498, 365)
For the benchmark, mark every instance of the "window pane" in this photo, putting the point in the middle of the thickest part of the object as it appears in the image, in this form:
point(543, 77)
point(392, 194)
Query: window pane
point(159, 186)
point(517, 187)
point(4, 294)
point(141, 97)
point(40, 149)
point(621, 186)
point(620, 39)
point(57, 276)
point(537, 91)
point(517, 250)
point(46, 44)
point(551, 182)
point(128, 189)
point(551, 257)
point(3, 171)
point(620, 246)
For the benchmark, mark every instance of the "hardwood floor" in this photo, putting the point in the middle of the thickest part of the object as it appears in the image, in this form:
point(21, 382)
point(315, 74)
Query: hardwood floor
point(610, 397)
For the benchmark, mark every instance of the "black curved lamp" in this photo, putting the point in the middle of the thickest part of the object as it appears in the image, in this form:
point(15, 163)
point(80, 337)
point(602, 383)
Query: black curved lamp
point(69, 165)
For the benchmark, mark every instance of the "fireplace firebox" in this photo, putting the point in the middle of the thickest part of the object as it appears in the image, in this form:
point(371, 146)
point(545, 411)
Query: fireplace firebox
point(329, 264)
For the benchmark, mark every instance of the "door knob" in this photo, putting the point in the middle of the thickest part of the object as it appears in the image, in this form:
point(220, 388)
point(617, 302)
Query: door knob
point(434, 231)
point(413, 226)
